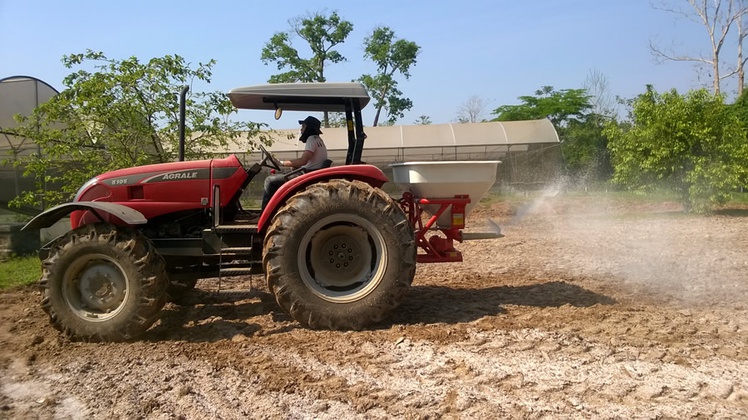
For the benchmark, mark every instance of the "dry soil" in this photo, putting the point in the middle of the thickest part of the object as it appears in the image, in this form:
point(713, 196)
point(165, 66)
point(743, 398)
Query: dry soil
point(586, 309)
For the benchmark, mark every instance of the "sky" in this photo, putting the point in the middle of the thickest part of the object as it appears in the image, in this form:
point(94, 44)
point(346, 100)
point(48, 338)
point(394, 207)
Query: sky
point(496, 50)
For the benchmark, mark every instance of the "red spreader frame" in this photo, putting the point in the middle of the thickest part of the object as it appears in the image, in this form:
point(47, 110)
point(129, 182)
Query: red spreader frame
point(436, 248)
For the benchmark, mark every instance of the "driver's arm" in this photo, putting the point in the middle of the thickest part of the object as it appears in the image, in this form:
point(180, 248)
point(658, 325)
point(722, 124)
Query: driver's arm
point(297, 163)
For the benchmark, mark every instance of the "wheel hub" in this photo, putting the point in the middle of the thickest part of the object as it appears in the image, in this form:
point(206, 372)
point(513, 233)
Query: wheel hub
point(340, 256)
point(102, 287)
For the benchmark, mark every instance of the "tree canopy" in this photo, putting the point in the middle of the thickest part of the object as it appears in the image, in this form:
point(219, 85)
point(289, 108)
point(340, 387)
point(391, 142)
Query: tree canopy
point(391, 56)
point(121, 113)
point(692, 144)
point(584, 147)
point(558, 106)
point(321, 33)
point(423, 120)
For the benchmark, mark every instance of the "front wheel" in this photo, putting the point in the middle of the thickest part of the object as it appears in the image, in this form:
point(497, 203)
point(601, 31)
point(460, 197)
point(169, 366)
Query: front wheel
point(340, 255)
point(103, 283)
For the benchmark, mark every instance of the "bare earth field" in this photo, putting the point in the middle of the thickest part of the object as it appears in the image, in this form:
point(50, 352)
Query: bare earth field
point(585, 309)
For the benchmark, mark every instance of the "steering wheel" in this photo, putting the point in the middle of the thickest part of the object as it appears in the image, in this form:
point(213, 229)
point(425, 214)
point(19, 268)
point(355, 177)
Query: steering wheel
point(269, 160)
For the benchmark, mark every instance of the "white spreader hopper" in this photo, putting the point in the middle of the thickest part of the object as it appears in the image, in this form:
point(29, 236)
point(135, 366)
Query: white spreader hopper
point(446, 180)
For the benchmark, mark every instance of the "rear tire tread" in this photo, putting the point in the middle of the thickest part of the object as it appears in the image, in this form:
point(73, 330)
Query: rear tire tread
point(282, 240)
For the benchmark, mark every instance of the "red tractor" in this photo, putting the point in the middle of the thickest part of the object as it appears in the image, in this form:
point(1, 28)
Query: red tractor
point(336, 250)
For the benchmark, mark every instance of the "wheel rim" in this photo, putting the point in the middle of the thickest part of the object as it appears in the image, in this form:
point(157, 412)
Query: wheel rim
point(95, 287)
point(342, 258)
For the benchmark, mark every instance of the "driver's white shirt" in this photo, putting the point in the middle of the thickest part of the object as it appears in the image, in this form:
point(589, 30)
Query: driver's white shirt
point(319, 151)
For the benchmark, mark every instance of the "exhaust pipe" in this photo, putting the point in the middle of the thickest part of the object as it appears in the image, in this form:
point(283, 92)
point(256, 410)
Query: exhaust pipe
point(182, 112)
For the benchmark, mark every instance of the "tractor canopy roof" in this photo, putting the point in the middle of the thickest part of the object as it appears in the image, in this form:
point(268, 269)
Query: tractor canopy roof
point(300, 96)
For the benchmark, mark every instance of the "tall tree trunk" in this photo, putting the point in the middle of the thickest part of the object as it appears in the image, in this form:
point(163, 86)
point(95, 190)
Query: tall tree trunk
point(717, 17)
point(381, 100)
point(376, 117)
point(741, 63)
point(741, 70)
point(715, 70)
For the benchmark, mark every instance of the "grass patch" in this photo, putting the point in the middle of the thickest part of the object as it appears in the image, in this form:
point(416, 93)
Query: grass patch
point(19, 271)
point(740, 199)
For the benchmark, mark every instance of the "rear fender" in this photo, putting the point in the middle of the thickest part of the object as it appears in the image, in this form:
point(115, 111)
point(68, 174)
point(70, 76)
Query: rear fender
point(365, 173)
point(51, 216)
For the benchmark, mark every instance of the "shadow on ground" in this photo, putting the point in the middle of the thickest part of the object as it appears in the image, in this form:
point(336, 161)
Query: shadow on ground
point(204, 316)
point(732, 212)
point(440, 304)
point(208, 317)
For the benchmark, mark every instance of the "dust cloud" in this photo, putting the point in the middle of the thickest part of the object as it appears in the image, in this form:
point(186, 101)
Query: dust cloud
point(656, 247)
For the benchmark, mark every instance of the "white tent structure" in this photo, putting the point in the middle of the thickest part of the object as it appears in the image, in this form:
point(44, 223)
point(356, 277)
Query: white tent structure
point(18, 95)
point(529, 150)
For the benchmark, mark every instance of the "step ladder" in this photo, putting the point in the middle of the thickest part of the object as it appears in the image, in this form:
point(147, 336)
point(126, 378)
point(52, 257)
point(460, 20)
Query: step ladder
point(245, 266)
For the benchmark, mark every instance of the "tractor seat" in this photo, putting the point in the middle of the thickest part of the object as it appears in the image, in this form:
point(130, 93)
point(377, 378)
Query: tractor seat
point(303, 170)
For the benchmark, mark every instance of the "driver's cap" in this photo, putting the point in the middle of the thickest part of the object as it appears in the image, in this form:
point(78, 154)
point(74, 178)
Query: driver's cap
point(311, 122)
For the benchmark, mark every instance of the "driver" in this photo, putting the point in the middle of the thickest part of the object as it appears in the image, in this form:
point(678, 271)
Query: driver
point(315, 153)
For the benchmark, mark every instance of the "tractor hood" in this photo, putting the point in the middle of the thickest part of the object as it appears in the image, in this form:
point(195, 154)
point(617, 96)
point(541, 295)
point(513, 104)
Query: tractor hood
point(164, 188)
point(157, 172)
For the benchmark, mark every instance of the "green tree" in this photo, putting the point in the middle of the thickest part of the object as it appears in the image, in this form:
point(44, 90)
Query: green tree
point(740, 108)
point(120, 113)
point(391, 56)
point(585, 148)
point(558, 106)
point(583, 144)
point(321, 33)
point(336, 119)
point(693, 144)
point(423, 120)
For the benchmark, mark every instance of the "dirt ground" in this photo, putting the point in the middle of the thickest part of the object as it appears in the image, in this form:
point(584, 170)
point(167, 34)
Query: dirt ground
point(586, 309)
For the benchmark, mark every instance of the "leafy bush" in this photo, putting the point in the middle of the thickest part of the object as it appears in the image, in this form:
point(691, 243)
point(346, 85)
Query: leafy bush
point(693, 144)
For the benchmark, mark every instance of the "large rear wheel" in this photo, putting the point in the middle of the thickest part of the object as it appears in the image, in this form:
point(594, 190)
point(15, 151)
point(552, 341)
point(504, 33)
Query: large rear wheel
point(340, 255)
point(103, 283)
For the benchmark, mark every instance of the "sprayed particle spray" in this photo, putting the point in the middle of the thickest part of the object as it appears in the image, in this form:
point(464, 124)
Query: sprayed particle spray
point(650, 250)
